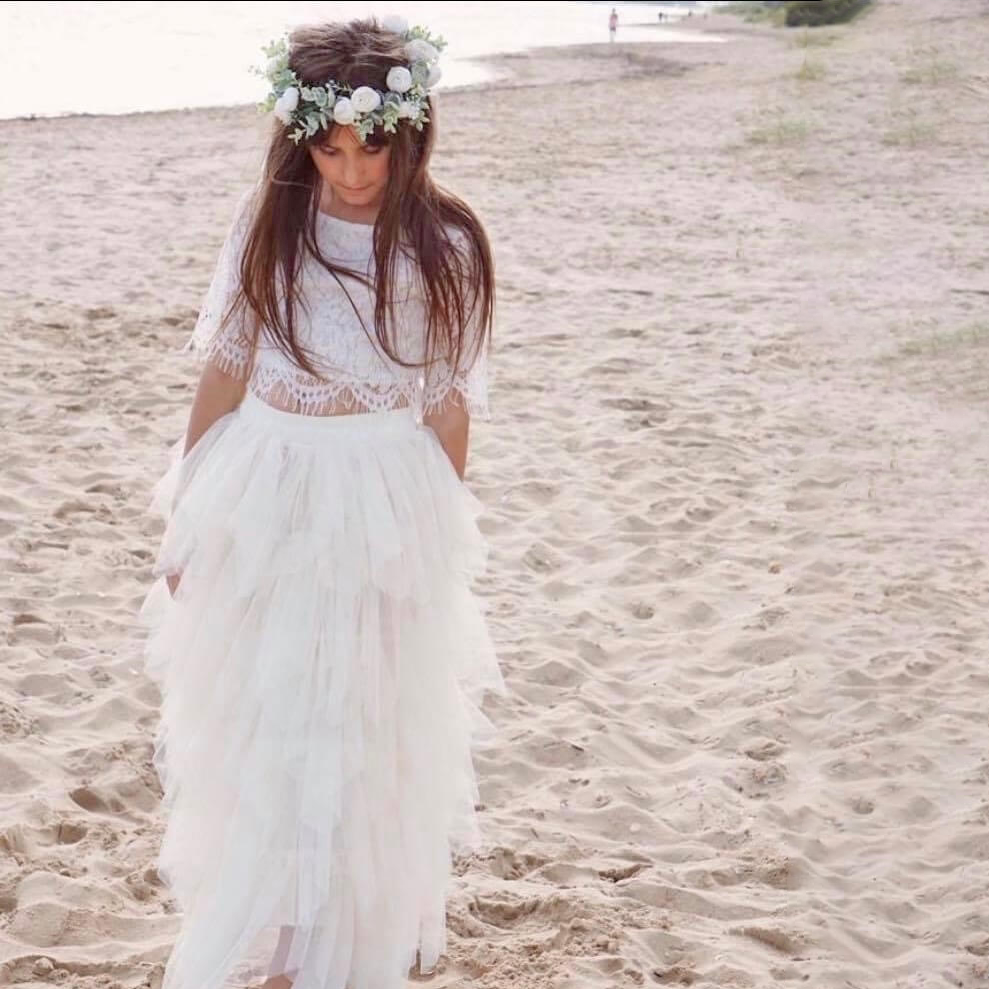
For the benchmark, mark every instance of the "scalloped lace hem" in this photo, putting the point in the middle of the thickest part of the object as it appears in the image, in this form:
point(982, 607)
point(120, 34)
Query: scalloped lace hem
point(348, 395)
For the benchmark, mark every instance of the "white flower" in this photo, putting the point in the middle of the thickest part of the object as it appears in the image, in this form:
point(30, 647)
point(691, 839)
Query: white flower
point(365, 99)
point(408, 110)
point(286, 104)
point(396, 23)
point(420, 50)
point(435, 74)
point(399, 79)
point(343, 111)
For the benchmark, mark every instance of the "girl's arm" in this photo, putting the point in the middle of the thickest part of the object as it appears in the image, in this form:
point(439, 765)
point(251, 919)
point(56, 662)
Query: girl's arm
point(452, 426)
point(224, 351)
point(452, 400)
point(217, 394)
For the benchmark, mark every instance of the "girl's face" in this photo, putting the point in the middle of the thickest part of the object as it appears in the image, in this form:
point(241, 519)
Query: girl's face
point(357, 173)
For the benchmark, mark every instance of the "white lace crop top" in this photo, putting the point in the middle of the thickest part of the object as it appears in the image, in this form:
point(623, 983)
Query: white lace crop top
point(356, 375)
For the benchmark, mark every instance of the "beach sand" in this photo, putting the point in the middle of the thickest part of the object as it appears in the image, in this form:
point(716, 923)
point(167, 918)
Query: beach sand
point(735, 490)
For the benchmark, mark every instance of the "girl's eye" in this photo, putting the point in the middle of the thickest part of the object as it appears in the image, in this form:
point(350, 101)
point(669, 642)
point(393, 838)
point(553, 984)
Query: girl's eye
point(369, 150)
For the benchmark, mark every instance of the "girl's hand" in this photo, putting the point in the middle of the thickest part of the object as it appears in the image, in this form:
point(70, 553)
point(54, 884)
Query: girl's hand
point(452, 427)
point(172, 580)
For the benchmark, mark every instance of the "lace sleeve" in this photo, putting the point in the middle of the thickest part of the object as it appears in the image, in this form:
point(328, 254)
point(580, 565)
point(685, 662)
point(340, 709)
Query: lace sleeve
point(469, 382)
point(228, 347)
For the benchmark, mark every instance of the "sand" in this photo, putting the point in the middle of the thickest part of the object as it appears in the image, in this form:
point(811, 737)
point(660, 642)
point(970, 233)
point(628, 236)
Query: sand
point(735, 488)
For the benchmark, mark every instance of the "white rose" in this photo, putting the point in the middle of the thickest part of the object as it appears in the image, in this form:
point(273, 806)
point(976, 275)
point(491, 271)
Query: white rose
point(286, 104)
point(435, 74)
point(343, 111)
point(365, 99)
point(399, 79)
point(420, 50)
point(395, 23)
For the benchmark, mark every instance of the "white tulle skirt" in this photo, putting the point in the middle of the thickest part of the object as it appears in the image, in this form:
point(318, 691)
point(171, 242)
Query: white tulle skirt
point(321, 668)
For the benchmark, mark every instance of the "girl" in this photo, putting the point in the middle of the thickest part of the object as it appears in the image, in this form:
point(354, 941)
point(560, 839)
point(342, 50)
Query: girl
point(320, 655)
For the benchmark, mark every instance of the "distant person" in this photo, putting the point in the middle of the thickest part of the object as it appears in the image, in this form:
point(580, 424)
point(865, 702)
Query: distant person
point(612, 24)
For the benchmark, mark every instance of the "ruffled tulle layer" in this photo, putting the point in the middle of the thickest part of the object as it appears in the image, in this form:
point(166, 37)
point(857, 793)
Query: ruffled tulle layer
point(321, 667)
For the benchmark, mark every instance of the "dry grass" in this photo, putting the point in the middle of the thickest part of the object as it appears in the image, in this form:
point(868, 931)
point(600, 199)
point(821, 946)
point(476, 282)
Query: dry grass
point(756, 13)
point(810, 71)
point(813, 38)
point(935, 342)
point(774, 126)
point(927, 66)
point(909, 129)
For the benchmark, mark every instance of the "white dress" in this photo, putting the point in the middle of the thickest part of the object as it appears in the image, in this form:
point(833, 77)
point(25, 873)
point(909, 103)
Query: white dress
point(323, 661)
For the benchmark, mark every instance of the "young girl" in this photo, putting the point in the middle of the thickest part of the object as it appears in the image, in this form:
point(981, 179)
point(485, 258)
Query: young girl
point(320, 655)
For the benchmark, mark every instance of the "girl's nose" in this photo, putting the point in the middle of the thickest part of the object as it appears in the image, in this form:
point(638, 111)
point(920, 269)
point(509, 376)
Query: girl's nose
point(352, 173)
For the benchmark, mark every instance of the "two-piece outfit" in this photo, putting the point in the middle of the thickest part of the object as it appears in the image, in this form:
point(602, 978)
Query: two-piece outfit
point(323, 661)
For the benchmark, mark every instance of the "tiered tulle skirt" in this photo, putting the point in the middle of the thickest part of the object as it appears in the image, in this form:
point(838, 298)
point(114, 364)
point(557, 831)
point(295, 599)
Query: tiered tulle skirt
point(321, 667)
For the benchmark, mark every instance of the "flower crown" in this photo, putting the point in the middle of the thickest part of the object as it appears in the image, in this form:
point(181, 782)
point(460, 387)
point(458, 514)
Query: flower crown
point(364, 108)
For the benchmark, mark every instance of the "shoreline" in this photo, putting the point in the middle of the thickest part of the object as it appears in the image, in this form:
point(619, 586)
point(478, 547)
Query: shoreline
point(550, 55)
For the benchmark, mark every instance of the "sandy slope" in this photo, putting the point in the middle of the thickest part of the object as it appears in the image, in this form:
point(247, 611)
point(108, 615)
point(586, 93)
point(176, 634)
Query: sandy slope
point(736, 489)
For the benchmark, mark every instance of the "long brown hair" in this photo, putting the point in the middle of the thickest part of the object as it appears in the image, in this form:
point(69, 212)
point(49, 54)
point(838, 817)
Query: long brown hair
point(416, 214)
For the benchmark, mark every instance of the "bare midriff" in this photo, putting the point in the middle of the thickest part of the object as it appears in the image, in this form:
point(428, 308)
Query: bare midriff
point(346, 404)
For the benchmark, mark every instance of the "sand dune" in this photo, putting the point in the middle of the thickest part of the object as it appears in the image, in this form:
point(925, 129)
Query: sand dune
point(736, 499)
